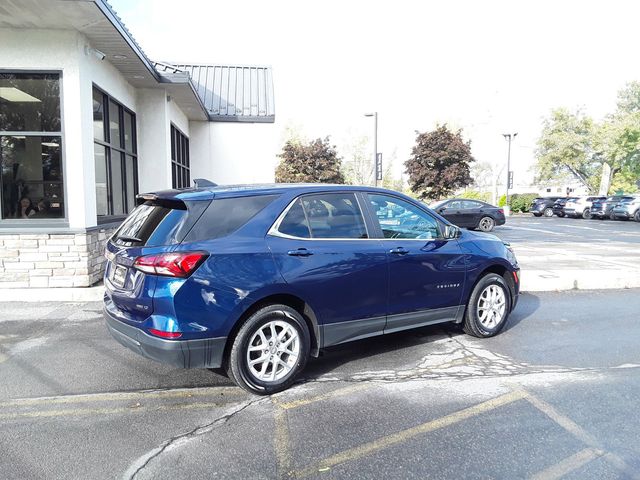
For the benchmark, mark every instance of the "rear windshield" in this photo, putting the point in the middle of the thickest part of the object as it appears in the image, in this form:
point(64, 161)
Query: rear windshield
point(226, 215)
point(152, 224)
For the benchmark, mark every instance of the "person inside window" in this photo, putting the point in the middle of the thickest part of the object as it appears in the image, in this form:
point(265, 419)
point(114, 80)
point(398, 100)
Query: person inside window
point(26, 208)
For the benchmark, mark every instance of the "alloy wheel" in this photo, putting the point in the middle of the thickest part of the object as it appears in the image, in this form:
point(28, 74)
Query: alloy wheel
point(491, 306)
point(273, 351)
point(486, 224)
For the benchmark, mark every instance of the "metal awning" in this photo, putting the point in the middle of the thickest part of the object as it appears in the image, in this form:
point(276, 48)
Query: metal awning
point(230, 93)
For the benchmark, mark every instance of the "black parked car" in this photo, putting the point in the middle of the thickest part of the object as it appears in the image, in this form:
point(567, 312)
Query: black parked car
point(543, 206)
point(472, 214)
point(559, 204)
point(604, 208)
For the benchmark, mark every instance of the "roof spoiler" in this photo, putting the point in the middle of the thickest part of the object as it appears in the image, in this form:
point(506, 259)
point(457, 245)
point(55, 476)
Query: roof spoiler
point(203, 182)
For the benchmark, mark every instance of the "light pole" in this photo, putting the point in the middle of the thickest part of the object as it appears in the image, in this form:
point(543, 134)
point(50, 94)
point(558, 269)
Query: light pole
point(509, 137)
point(375, 145)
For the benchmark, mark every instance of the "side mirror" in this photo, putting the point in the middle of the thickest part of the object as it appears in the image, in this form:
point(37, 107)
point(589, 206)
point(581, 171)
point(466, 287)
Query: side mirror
point(441, 210)
point(451, 232)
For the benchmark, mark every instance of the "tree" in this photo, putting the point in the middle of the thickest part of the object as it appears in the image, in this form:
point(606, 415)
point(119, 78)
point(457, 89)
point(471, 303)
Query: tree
point(313, 162)
point(358, 166)
point(629, 98)
point(439, 163)
point(565, 146)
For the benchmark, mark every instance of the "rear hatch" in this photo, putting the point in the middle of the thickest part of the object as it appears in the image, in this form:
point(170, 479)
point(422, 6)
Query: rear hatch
point(157, 225)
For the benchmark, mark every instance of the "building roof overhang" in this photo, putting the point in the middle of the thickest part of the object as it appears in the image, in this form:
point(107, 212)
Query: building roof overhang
point(106, 34)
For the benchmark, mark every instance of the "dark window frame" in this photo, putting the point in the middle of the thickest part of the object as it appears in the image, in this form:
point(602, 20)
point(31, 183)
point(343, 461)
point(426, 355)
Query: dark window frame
point(180, 160)
point(120, 150)
point(42, 222)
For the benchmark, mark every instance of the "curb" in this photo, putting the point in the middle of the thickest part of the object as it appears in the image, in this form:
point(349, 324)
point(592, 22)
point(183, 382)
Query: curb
point(561, 280)
point(77, 294)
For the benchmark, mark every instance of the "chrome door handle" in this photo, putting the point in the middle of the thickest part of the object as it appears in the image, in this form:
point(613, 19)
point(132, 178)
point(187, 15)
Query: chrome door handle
point(301, 252)
point(399, 251)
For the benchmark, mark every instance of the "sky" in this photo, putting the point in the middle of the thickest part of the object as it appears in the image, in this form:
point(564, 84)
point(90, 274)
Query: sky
point(487, 67)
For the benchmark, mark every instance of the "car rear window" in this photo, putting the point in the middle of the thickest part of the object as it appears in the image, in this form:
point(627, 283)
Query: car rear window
point(226, 215)
point(156, 223)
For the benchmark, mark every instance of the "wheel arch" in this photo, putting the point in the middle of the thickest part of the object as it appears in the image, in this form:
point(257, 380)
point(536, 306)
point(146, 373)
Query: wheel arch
point(290, 300)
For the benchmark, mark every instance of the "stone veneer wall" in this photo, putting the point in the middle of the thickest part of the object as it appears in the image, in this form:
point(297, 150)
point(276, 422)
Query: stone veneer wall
point(40, 260)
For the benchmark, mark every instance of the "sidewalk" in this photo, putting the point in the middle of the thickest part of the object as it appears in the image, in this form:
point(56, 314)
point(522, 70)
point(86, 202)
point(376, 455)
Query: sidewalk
point(586, 266)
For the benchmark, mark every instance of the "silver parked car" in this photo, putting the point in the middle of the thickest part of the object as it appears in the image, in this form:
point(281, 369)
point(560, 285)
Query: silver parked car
point(627, 208)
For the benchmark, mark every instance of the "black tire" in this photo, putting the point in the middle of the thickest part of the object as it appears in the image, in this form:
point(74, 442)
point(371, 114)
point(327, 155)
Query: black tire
point(472, 324)
point(612, 216)
point(537, 214)
point(486, 224)
point(586, 213)
point(561, 214)
point(237, 366)
point(636, 217)
point(548, 212)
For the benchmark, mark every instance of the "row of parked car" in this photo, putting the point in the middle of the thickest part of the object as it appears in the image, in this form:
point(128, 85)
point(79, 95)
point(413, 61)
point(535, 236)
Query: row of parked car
point(614, 207)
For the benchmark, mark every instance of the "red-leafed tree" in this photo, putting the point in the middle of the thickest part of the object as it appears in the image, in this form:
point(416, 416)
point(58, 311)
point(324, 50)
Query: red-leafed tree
point(439, 164)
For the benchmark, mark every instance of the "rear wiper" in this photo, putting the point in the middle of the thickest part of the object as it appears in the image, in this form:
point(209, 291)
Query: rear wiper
point(126, 238)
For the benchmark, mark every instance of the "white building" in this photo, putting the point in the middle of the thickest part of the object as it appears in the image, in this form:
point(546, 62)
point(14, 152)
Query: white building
point(87, 121)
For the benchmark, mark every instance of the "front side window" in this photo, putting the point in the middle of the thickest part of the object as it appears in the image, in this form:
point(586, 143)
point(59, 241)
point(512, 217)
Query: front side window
point(324, 216)
point(31, 177)
point(115, 156)
point(401, 219)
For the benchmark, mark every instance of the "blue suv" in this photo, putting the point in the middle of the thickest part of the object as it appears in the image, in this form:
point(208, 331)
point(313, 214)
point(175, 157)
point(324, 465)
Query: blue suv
point(256, 278)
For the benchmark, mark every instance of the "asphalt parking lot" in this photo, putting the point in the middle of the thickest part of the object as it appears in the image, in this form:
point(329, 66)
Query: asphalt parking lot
point(565, 253)
point(553, 396)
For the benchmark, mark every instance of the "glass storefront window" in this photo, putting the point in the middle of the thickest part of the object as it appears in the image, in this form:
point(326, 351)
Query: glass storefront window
point(115, 157)
point(29, 102)
point(31, 176)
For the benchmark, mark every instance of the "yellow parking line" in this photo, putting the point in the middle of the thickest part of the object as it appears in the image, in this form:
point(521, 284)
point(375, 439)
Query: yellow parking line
point(281, 444)
point(119, 396)
point(324, 396)
point(562, 420)
point(622, 466)
point(404, 435)
point(568, 465)
point(582, 435)
point(105, 411)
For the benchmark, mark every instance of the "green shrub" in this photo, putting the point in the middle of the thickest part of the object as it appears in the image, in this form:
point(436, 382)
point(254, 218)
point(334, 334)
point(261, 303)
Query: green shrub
point(476, 195)
point(520, 202)
point(502, 201)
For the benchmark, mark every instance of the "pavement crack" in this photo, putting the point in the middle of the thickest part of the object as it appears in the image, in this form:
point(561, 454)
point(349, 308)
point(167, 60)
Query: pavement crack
point(143, 462)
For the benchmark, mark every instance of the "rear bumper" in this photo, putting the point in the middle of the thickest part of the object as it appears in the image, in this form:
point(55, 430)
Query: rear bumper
point(622, 214)
point(201, 353)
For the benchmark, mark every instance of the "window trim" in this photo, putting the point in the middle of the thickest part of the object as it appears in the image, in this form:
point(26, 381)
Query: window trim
point(275, 232)
point(61, 222)
point(121, 151)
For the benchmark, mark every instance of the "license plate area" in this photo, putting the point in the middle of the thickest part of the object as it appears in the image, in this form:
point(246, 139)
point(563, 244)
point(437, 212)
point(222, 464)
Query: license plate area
point(118, 275)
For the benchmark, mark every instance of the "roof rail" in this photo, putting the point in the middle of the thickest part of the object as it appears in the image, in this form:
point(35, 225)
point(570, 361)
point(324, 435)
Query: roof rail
point(203, 182)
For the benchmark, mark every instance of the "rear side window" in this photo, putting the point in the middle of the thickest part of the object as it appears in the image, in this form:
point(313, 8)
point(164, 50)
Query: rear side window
point(153, 225)
point(226, 215)
point(324, 216)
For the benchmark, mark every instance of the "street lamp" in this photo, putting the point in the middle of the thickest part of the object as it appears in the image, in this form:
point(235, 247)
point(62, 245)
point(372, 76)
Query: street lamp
point(375, 145)
point(509, 137)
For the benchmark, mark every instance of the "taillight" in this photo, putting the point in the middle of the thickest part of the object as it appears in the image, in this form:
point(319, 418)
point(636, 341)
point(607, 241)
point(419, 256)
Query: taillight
point(163, 334)
point(175, 264)
point(501, 211)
